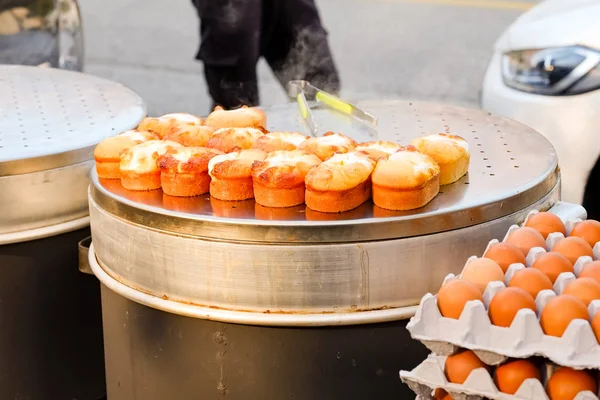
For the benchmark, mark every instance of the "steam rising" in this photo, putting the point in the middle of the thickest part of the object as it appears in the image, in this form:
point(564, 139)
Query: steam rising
point(310, 59)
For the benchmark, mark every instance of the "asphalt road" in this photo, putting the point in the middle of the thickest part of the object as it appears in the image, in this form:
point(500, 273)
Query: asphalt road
point(418, 49)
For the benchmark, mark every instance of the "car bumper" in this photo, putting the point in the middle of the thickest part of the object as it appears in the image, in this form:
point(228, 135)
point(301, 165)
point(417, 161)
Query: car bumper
point(569, 122)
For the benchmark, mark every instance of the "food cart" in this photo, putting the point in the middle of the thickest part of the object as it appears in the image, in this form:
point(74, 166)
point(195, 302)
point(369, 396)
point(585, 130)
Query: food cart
point(210, 299)
point(50, 120)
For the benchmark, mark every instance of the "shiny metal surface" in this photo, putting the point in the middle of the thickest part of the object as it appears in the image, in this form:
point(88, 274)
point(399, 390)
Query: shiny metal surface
point(156, 355)
point(45, 231)
point(41, 32)
point(237, 317)
point(512, 167)
point(50, 121)
point(51, 118)
point(288, 278)
point(39, 199)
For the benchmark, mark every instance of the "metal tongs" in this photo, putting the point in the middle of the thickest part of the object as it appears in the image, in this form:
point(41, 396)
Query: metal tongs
point(303, 90)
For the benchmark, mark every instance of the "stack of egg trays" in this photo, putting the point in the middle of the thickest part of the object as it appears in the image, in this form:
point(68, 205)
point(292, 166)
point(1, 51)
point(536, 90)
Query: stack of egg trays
point(577, 348)
point(479, 385)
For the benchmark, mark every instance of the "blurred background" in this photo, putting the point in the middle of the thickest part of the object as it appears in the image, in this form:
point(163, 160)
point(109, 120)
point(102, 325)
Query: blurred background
point(420, 49)
point(537, 62)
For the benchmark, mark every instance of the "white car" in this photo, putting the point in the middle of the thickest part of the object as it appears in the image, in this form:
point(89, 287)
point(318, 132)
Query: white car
point(545, 73)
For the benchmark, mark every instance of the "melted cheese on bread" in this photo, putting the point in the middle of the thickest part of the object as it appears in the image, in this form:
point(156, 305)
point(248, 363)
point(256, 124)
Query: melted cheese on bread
point(350, 158)
point(444, 149)
point(110, 148)
point(290, 157)
point(234, 139)
point(238, 118)
point(335, 139)
point(341, 172)
point(243, 165)
point(182, 118)
point(138, 136)
point(448, 139)
point(329, 144)
point(142, 157)
point(188, 159)
point(294, 138)
point(274, 141)
point(379, 148)
point(284, 168)
point(221, 158)
point(407, 168)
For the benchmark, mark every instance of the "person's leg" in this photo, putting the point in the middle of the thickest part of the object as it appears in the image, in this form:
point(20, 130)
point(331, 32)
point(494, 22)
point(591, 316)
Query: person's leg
point(295, 44)
point(229, 49)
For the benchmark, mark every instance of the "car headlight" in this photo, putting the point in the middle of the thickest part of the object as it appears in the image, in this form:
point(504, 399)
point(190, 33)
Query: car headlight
point(559, 71)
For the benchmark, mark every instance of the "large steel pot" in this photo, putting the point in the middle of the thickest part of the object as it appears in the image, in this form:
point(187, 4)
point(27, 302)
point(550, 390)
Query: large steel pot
point(51, 338)
point(230, 299)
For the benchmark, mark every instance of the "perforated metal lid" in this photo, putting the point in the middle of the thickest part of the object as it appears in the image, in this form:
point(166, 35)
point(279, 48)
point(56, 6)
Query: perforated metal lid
point(52, 118)
point(512, 167)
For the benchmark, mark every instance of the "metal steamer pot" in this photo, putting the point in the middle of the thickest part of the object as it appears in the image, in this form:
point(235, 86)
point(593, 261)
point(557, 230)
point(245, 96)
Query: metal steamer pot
point(213, 299)
point(50, 120)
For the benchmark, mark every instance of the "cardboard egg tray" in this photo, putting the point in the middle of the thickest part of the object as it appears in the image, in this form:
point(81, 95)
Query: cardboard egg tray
point(429, 375)
point(577, 348)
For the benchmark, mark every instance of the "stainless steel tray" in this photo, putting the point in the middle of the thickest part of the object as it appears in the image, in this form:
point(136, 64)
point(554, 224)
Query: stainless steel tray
point(512, 167)
point(50, 121)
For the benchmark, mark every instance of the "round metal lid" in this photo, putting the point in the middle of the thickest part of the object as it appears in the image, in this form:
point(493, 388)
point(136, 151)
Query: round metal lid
point(52, 118)
point(512, 167)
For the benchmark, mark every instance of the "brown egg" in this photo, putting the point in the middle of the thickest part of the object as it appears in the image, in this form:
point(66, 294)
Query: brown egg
point(510, 375)
point(441, 394)
point(588, 230)
point(453, 296)
point(505, 254)
point(526, 238)
point(559, 312)
point(591, 270)
point(566, 383)
point(596, 325)
point(546, 223)
point(552, 264)
point(573, 247)
point(585, 289)
point(506, 303)
point(482, 271)
point(459, 366)
point(531, 280)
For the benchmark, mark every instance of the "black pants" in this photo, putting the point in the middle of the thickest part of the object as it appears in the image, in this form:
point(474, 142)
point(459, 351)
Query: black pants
point(591, 196)
point(236, 33)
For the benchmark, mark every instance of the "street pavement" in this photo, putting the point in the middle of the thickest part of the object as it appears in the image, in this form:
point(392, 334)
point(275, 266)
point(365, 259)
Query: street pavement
point(415, 49)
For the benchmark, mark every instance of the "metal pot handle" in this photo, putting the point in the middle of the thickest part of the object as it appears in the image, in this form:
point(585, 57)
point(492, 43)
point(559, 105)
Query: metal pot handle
point(83, 248)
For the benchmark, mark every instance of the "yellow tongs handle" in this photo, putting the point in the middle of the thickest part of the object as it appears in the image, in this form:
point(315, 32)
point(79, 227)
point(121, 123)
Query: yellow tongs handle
point(334, 102)
point(298, 89)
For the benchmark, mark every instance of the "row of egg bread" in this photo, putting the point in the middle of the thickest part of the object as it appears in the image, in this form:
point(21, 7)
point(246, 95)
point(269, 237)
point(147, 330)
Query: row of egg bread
point(452, 377)
point(233, 157)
